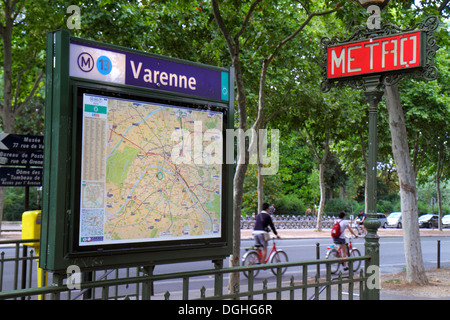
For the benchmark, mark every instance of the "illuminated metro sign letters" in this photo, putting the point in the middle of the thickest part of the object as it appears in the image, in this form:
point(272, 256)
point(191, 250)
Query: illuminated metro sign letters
point(398, 52)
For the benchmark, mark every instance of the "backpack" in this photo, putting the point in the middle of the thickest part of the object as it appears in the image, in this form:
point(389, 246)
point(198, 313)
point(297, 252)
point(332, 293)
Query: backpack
point(336, 230)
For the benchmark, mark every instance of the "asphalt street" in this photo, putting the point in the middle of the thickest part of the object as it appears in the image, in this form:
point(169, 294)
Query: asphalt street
point(392, 260)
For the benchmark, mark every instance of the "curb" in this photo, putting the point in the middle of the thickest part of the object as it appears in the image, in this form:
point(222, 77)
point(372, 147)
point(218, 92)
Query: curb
point(325, 233)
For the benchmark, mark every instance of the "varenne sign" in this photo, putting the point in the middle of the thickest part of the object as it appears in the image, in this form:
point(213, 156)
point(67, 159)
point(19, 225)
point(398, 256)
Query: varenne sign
point(93, 62)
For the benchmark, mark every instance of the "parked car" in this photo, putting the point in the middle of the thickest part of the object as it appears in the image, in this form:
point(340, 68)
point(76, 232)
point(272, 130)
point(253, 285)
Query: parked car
point(446, 221)
point(394, 220)
point(429, 221)
point(383, 220)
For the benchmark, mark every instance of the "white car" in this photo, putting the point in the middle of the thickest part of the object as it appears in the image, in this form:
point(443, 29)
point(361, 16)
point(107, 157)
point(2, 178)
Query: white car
point(394, 220)
point(446, 221)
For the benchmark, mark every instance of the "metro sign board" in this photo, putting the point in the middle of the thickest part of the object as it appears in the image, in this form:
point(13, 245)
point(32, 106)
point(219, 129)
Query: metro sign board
point(398, 52)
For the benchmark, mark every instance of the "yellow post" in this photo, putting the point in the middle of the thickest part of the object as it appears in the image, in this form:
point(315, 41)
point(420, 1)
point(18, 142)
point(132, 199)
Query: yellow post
point(31, 229)
point(42, 276)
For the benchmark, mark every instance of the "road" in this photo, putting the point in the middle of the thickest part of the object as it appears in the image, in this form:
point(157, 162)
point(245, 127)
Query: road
point(391, 260)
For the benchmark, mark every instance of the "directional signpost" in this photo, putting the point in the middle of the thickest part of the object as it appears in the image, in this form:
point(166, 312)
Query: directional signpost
point(20, 177)
point(21, 160)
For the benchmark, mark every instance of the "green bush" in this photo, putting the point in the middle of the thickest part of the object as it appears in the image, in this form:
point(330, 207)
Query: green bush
point(334, 206)
point(14, 203)
point(289, 205)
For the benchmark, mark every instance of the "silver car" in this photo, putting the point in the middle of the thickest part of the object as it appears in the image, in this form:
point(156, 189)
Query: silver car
point(394, 220)
point(446, 221)
point(382, 218)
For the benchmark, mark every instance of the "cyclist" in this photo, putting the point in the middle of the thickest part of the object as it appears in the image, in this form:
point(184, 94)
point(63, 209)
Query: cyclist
point(360, 220)
point(261, 229)
point(344, 224)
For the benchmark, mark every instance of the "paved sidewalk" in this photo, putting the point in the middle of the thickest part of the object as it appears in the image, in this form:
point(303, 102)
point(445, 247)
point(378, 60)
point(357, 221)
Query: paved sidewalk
point(12, 230)
point(325, 233)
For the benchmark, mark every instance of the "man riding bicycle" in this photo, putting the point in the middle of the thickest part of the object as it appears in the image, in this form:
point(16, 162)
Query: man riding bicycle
point(360, 218)
point(261, 229)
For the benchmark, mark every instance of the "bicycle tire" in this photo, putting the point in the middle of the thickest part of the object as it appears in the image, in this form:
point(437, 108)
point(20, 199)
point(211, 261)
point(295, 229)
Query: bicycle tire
point(250, 259)
point(279, 257)
point(356, 264)
point(333, 254)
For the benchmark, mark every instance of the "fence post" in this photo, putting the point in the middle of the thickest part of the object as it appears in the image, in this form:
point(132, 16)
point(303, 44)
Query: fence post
point(439, 254)
point(218, 278)
point(318, 257)
point(57, 281)
point(147, 286)
point(24, 267)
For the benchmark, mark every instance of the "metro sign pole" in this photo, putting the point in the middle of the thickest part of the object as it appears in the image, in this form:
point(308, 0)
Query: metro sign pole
point(369, 60)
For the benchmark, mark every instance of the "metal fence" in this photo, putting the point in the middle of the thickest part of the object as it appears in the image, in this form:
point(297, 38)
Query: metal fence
point(302, 282)
point(290, 222)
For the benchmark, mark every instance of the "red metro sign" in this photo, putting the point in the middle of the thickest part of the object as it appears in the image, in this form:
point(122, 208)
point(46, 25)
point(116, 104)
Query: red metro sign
point(398, 52)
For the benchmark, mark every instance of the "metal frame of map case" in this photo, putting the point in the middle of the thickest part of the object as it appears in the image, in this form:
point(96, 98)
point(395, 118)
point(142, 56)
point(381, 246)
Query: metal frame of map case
point(78, 69)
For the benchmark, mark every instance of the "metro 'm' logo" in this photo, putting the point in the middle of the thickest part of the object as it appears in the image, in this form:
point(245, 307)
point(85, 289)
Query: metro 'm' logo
point(85, 62)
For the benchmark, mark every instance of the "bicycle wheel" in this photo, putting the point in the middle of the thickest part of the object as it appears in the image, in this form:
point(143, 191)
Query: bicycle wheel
point(251, 259)
point(279, 257)
point(333, 254)
point(356, 264)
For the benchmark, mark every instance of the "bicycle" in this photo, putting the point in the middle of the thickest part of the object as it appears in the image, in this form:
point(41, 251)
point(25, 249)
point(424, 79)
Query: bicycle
point(358, 229)
point(334, 252)
point(253, 256)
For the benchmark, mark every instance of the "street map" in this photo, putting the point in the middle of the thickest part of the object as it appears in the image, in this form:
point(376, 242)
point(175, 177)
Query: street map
point(148, 173)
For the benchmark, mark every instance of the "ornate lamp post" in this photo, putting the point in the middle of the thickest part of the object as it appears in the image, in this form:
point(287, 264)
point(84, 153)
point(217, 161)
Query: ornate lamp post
point(361, 62)
point(374, 93)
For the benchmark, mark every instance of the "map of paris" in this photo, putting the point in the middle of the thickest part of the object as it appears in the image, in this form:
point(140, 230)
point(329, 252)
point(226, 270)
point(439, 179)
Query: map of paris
point(146, 175)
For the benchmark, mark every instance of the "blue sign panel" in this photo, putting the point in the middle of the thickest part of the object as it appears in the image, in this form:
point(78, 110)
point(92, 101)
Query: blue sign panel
point(147, 71)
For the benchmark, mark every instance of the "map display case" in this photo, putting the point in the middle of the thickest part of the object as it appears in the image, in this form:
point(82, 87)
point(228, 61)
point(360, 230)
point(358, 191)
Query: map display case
point(134, 169)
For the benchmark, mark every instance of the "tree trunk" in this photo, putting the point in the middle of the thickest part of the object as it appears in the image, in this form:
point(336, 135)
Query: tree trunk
point(415, 271)
point(238, 192)
point(440, 172)
point(366, 167)
point(321, 160)
point(439, 201)
point(233, 44)
point(322, 195)
point(260, 182)
point(6, 108)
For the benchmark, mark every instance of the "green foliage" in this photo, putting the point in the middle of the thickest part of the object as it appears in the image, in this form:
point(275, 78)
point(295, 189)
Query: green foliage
point(15, 203)
point(338, 205)
point(296, 166)
point(386, 206)
point(289, 205)
point(272, 190)
point(187, 30)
